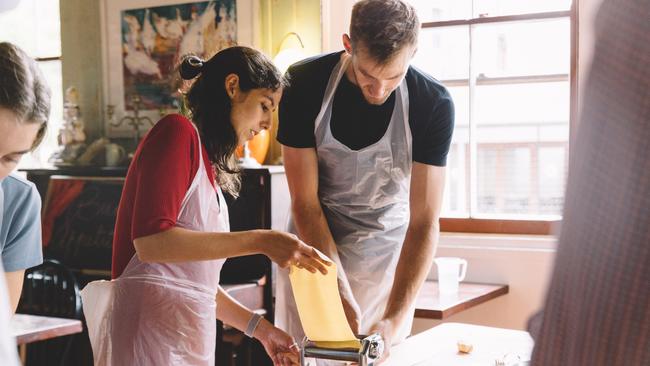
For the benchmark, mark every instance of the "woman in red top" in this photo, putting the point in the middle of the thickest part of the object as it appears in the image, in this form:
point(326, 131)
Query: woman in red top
point(172, 234)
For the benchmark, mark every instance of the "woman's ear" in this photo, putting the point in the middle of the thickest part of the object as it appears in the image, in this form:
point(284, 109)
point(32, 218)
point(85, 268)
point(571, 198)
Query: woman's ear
point(232, 85)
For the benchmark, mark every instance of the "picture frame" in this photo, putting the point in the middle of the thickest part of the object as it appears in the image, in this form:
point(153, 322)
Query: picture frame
point(120, 85)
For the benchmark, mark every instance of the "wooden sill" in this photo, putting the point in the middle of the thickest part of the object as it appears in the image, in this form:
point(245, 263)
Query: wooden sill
point(495, 226)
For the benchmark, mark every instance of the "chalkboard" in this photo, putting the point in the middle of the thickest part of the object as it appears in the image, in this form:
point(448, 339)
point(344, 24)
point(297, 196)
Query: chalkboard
point(79, 219)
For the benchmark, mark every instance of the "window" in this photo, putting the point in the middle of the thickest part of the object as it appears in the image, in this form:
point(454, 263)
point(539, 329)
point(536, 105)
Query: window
point(35, 27)
point(508, 65)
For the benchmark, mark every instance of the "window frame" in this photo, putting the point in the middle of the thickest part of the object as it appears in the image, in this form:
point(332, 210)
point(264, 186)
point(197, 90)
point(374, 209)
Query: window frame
point(39, 158)
point(29, 42)
point(47, 59)
point(479, 224)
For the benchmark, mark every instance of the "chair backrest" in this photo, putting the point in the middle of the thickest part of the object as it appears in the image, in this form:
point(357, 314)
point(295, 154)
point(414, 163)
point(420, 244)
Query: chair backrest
point(50, 289)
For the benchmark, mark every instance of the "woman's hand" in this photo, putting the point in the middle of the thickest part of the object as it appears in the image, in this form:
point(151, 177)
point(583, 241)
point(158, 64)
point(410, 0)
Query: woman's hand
point(280, 346)
point(286, 249)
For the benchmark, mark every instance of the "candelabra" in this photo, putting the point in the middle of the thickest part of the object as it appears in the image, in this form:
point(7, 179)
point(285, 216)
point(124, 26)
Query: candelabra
point(135, 121)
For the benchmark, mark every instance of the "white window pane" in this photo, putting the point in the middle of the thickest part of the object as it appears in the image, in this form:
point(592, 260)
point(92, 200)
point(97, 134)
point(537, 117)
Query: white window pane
point(504, 177)
point(437, 10)
point(487, 177)
point(521, 179)
point(460, 96)
point(518, 107)
point(522, 48)
point(523, 104)
point(48, 28)
point(512, 122)
point(456, 195)
point(444, 52)
point(552, 165)
point(34, 26)
point(515, 180)
point(52, 72)
point(510, 7)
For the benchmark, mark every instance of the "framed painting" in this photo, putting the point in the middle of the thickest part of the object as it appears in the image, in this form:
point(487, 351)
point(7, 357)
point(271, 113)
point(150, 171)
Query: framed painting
point(143, 42)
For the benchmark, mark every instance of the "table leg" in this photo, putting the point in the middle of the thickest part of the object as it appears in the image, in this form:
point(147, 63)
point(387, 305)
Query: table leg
point(22, 351)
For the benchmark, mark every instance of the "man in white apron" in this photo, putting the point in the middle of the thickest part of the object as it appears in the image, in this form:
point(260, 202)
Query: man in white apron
point(365, 139)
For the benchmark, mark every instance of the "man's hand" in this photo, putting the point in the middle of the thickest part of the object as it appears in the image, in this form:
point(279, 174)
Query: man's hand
point(350, 306)
point(386, 328)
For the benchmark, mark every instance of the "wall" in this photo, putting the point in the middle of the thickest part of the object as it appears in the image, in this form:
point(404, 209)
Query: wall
point(81, 59)
point(280, 17)
point(336, 21)
point(523, 262)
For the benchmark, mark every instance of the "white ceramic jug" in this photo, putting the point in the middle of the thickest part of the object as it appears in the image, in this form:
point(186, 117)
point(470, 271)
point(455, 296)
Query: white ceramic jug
point(451, 271)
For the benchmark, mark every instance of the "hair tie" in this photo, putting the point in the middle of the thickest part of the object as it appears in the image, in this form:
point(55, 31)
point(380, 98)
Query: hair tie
point(195, 62)
point(191, 67)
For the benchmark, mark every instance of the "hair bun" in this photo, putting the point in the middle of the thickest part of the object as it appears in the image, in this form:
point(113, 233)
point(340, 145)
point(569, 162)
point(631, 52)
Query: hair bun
point(191, 67)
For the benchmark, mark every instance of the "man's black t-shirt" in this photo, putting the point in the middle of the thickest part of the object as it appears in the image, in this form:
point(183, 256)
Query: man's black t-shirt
point(358, 124)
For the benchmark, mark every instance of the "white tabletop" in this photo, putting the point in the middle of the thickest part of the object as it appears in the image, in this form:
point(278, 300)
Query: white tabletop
point(437, 346)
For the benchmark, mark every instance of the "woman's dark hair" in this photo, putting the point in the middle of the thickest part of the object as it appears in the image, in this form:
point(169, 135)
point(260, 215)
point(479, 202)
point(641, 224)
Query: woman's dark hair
point(23, 89)
point(209, 105)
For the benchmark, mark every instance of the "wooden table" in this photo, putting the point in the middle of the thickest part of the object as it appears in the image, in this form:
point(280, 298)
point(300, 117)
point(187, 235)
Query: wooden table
point(432, 305)
point(437, 346)
point(32, 328)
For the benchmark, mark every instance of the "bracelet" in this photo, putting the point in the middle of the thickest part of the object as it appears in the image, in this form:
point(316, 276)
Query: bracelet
point(252, 324)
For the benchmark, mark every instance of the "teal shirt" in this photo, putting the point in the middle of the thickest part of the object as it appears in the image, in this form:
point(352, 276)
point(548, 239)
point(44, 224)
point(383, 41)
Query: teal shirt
point(20, 224)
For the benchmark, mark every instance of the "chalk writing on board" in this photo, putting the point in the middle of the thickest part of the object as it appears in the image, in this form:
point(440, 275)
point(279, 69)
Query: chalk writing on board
point(82, 234)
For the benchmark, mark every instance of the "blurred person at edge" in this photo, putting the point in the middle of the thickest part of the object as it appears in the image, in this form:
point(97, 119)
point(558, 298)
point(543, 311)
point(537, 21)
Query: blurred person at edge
point(24, 111)
point(597, 310)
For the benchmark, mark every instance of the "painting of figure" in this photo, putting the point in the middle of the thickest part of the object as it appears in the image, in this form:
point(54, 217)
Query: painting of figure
point(154, 39)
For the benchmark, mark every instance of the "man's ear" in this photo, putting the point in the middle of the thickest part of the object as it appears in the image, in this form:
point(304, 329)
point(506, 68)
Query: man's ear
point(232, 85)
point(347, 43)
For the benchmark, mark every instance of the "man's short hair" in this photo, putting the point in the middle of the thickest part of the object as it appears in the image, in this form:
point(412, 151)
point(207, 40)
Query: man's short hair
point(383, 27)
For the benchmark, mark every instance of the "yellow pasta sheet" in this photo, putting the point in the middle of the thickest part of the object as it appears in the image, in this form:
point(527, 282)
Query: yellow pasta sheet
point(320, 308)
